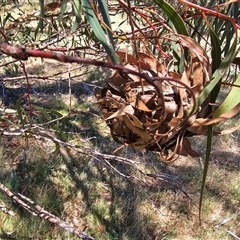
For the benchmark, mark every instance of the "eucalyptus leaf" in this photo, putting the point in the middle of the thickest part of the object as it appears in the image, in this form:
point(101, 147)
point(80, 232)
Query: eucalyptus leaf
point(77, 8)
point(62, 10)
point(206, 165)
point(218, 74)
point(178, 25)
point(40, 22)
point(106, 18)
point(100, 34)
point(230, 101)
point(175, 20)
point(216, 60)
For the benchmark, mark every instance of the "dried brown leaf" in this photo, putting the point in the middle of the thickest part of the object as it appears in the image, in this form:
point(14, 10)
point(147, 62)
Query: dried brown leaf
point(151, 61)
point(198, 52)
point(128, 109)
point(209, 121)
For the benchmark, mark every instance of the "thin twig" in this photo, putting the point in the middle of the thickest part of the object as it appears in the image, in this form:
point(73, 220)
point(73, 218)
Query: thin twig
point(103, 158)
point(37, 210)
point(234, 235)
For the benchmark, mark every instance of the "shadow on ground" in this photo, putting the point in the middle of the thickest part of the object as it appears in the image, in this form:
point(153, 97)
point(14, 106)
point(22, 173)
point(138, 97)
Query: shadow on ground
point(84, 191)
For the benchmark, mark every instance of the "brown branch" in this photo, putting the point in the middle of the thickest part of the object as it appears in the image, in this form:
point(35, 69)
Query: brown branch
point(106, 159)
point(23, 53)
point(48, 77)
point(37, 210)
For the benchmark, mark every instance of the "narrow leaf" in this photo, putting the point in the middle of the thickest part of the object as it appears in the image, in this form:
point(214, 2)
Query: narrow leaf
point(206, 164)
point(216, 60)
point(230, 101)
point(9, 15)
point(62, 11)
point(176, 22)
point(217, 76)
point(77, 8)
point(106, 18)
point(216, 50)
point(97, 29)
point(178, 25)
point(42, 13)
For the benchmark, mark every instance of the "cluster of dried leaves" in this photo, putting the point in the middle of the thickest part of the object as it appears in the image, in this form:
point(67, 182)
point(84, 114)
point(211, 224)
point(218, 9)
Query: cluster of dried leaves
point(157, 116)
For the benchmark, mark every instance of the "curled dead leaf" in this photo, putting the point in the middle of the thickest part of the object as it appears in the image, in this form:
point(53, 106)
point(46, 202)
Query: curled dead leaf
point(156, 116)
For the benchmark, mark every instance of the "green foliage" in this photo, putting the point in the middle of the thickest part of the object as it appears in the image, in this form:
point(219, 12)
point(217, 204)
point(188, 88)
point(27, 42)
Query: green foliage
point(107, 42)
point(176, 22)
point(85, 28)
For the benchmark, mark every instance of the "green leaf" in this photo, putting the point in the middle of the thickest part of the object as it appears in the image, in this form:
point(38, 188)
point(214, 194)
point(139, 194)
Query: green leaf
point(97, 29)
point(106, 18)
point(231, 101)
point(62, 10)
point(217, 76)
point(216, 61)
point(216, 55)
point(42, 14)
point(216, 50)
point(178, 58)
point(44, 116)
point(235, 9)
point(9, 15)
point(205, 169)
point(77, 8)
point(175, 20)
point(212, 89)
point(75, 26)
point(178, 25)
point(227, 37)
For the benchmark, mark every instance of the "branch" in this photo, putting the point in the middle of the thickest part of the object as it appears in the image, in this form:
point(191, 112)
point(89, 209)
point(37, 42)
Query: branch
point(37, 210)
point(22, 53)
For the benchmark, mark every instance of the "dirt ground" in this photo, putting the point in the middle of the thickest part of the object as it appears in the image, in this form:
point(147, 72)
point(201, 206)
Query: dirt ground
point(140, 197)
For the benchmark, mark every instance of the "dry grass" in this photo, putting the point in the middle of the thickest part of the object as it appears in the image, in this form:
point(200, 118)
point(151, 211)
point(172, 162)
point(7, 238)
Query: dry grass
point(83, 192)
